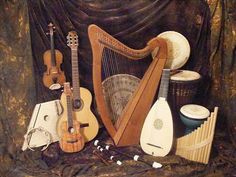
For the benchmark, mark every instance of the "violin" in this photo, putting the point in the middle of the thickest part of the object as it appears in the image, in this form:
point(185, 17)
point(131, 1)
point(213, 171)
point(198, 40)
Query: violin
point(68, 128)
point(53, 77)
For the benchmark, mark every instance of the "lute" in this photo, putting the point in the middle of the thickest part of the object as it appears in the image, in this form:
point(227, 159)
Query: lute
point(157, 132)
point(81, 97)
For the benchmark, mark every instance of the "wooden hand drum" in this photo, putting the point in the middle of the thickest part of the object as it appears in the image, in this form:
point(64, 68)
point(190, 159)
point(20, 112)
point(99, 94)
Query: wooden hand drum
point(183, 89)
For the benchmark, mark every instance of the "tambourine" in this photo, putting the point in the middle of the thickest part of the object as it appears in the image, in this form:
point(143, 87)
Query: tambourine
point(45, 135)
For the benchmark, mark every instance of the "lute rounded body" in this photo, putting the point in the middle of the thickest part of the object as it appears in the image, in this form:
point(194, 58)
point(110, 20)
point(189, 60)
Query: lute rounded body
point(53, 74)
point(88, 122)
point(157, 133)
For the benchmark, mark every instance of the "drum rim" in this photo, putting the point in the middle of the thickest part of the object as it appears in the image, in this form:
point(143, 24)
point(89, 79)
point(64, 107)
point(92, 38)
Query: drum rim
point(187, 81)
point(193, 118)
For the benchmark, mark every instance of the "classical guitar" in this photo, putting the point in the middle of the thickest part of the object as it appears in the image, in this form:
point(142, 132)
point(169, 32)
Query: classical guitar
point(53, 77)
point(157, 132)
point(70, 139)
point(82, 98)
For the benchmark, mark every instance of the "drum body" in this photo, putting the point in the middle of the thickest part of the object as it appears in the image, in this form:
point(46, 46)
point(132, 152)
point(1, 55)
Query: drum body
point(192, 116)
point(182, 90)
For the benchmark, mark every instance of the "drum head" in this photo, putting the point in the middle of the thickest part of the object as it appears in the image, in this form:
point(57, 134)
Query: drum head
point(185, 75)
point(178, 49)
point(194, 111)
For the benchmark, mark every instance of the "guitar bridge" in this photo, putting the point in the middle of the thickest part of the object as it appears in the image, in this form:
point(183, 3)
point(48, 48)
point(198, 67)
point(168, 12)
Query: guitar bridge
point(72, 141)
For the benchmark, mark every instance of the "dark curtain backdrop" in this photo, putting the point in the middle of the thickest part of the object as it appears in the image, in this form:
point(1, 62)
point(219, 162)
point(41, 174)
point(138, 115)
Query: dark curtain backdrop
point(132, 22)
point(223, 63)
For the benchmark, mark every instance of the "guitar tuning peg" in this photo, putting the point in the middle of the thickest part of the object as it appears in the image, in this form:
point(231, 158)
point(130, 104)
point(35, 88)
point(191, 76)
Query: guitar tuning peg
point(47, 33)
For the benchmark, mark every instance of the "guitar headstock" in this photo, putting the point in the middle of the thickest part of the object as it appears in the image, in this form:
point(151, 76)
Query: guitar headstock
point(72, 40)
point(51, 28)
point(67, 89)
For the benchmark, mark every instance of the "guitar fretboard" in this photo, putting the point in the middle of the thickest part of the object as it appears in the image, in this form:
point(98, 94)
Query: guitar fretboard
point(69, 112)
point(163, 91)
point(75, 74)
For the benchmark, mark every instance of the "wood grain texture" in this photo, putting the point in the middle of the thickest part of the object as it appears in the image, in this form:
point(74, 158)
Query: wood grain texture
point(83, 115)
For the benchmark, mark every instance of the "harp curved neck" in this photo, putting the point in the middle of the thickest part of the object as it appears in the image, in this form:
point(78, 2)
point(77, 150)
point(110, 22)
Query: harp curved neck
point(106, 40)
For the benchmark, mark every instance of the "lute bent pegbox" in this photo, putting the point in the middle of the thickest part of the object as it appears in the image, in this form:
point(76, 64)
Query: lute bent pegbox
point(127, 128)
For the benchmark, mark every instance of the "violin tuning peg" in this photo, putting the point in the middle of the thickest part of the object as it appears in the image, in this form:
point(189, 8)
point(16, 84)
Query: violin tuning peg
point(50, 24)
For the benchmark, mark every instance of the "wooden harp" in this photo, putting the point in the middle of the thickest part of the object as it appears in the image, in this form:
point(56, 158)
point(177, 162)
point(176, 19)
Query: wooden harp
point(127, 128)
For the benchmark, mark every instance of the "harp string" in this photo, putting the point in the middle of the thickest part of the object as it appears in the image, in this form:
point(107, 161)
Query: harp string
point(107, 73)
point(110, 68)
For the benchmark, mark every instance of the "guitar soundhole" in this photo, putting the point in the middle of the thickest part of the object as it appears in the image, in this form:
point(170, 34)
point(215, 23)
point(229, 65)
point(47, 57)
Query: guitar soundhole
point(77, 104)
point(46, 117)
point(158, 124)
point(54, 79)
point(71, 129)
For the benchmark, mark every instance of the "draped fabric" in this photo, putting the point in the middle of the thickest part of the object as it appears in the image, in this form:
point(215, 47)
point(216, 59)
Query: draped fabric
point(17, 88)
point(222, 62)
point(133, 23)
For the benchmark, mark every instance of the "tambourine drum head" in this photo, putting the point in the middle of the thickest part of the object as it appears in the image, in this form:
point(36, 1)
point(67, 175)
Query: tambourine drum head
point(178, 49)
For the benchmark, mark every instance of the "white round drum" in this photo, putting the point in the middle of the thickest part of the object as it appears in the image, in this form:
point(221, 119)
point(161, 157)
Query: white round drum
point(194, 111)
point(178, 49)
point(193, 115)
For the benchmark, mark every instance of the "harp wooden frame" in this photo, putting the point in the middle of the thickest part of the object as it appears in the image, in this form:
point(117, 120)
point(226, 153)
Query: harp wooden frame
point(127, 130)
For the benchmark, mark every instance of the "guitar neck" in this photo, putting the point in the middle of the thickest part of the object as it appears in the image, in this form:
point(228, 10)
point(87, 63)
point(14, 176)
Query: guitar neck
point(53, 58)
point(75, 74)
point(69, 112)
point(163, 91)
